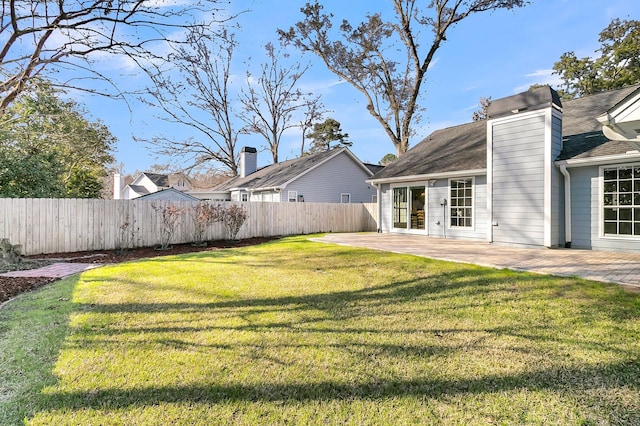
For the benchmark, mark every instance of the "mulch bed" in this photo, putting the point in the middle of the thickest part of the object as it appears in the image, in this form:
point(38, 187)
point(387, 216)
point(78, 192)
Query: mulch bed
point(11, 287)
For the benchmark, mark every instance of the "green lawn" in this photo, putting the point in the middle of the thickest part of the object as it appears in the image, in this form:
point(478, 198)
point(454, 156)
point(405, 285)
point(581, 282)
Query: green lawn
point(296, 332)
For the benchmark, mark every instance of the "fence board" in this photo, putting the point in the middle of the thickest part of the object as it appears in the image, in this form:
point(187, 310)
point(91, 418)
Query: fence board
point(69, 225)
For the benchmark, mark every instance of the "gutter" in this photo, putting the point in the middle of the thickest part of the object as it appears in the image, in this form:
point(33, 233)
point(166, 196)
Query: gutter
point(452, 174)
point(567, 203)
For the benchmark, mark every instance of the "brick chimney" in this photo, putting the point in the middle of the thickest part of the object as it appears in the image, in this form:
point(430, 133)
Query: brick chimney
point(117, 186)
point(248, 161)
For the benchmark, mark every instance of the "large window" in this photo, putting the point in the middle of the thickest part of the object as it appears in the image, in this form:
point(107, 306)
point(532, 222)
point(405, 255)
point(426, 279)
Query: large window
point(461, 203)
point(621, 200)
point(400, 206)
point(409, 207)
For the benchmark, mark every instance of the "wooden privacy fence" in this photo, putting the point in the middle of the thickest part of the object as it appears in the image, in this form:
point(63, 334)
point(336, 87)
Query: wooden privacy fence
point(67, 225)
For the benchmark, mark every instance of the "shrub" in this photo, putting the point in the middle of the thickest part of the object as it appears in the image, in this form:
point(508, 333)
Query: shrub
point(233, 218)
point(204, 215)
point(170, 214)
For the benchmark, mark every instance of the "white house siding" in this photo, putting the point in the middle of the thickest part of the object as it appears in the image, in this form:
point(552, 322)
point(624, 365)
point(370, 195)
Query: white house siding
point(586, 216)
point(386, 196)
point(518, 181)
point(325, 183)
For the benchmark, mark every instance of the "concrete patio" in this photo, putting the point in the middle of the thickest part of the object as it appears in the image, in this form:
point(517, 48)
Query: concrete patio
point(614, 267)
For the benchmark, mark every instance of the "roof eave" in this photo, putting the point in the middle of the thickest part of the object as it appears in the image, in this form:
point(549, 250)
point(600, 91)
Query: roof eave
point(441, 175)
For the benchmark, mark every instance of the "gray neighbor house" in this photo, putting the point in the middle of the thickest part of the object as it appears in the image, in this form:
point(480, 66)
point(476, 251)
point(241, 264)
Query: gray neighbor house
point(537, 173)
point(334, 176)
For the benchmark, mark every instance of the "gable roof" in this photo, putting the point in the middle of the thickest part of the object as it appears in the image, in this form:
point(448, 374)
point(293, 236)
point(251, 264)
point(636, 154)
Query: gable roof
point(168, 194)
point(158, 179)
point(138, 189)
point(464, 147)
point(280, 174)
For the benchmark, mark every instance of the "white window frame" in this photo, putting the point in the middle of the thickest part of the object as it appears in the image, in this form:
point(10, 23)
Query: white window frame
point(292, 196)
point(473, 204)
point(244, 196)
point(407, 186)
point(342, 195)
point(601, 206)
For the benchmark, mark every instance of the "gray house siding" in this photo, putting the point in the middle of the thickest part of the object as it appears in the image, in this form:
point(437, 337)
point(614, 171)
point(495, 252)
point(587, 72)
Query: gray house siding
point(437, 216)
point(557, 186)
point(586, 216)
point(325, 183)
point(518, 181)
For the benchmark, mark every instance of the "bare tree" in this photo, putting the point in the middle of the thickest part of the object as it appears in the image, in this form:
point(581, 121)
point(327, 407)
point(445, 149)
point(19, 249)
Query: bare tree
point(271, 100)
point(313, 112)
point(387, 61)
point(40, 36)
point(482, 113)
point(194, 92)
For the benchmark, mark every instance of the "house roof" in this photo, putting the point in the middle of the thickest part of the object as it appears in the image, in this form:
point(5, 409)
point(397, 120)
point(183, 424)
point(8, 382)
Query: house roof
point(464, 147)
point(139, 189)
point(168, 194)
point(583, 137)
point(158, 179)
point(455, 148)
point(280, 174)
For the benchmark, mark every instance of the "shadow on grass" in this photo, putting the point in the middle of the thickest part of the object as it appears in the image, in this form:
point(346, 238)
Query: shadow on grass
point(35, 326)
point(567, 381)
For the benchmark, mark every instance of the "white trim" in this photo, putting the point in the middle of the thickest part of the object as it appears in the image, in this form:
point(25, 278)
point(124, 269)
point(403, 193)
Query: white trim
point(603, 160)
point(490, 181)
point(426, 177)
point(601, 233)
point(473, 205)
point(289, 197)
point(342, 194)
point(409, 229)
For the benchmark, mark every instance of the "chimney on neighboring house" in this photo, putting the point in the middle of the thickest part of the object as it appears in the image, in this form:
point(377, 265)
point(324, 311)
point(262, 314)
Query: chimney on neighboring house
point(117, 186)
point(248, 161)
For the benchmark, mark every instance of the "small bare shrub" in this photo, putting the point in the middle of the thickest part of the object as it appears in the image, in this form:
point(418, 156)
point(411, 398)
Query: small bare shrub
point(169, 214)
point(10, 252)
point(233, 218)
point(204, 215)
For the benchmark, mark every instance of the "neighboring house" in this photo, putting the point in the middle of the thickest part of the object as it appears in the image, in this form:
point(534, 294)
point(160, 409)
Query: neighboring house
point(168, 194)
point(538, 173)
point(335, 176)
point(145, 183)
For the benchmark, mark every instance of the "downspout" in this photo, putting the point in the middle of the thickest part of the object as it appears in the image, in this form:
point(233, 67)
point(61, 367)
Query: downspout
point(567, 204)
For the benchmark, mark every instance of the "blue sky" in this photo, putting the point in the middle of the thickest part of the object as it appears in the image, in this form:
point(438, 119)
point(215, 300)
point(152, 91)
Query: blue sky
point(491, 54)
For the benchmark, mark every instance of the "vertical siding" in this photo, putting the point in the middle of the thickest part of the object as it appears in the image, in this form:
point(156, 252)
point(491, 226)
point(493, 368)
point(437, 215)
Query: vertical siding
point(518, 181)
point(557, 186)
point(324, 184)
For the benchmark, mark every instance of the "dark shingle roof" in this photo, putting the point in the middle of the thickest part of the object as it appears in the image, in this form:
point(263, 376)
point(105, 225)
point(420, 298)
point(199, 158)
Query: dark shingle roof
point(530, 100)
point(139, 189)
point(158, 179)
point(464, 147)
point(455, 148)
point(278, 174)
point(582, 131)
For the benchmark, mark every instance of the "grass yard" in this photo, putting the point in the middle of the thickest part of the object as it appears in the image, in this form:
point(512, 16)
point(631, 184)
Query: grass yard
point(296, 332)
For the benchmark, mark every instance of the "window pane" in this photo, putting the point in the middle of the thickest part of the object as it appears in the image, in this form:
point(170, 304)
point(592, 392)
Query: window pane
point(625, 173)
point(610, 174)
point(467, 222)
point(624, 214)
point(636, 186)
point(608, 200)
point(625, 228)
point(625, 199)
point(636, 228)
point(636, 172)
point(611, 186)
point(610, 214)
point(610, 228)
point(625, 186)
